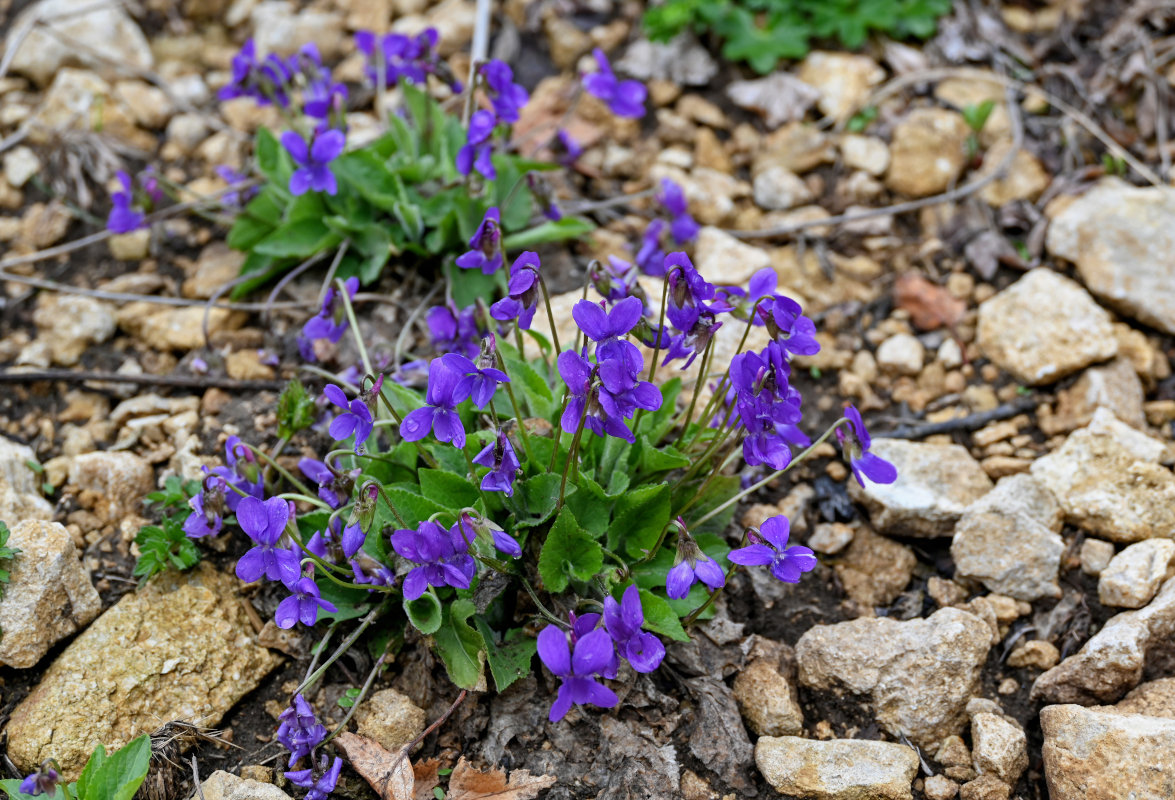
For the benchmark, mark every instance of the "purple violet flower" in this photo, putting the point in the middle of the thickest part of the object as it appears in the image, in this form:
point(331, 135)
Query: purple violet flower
point(300, 731)
point(499, 456)
point(43, 781)
point(691, 566)
point(265, 523)
point(208, 509)
point(404, 57)
point(232, 177)
point(478, 381)
point(330, 322)
point(855, 443)
point(624, 98)
point(769, 546)
point(683, 228)
point(785, 321)
point(240, 471)
point(440, 414)
point(485, 251)
point(334, 485)
point(442, 555)
point(523, 290)
point(319, 780)
point(123, 218)
point(566, 148)
point(313, 161)
point(624, 621)
point(650, 258)
point(355, 420)
point(507, 97)
point(593, 654)
point(454, 331)
point(303, 605)
point(265, 81)
point(475, 153)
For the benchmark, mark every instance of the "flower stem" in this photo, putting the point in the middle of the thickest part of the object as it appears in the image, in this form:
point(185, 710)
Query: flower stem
point(538, 603)
point(313, 677)
point(350, 312)
point(571, 457)
point(285, 473)
point(305, 498)
point(756, 487)
point(550, 317)
point(522, 434)
point(660, 326)
point(698, 384)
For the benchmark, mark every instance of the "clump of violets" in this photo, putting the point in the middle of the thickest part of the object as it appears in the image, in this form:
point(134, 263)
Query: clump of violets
point(265, 80)
point(400, 58)
point(624, 98)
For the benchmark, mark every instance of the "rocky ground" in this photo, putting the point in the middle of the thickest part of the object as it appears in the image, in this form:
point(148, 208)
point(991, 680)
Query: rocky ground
point(998, 623)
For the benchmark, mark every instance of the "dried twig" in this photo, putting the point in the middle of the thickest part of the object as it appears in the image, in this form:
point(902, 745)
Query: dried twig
point(920, 430)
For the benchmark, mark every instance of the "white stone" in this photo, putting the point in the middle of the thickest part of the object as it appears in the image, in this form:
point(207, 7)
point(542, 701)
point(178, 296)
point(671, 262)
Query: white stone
point(999, 747)
point(1134, 575)
point(1095, 556)
point(936, 483)
point(20, 494)
point(724, 259)
point(222, 785)
point(844, 80)
point(838, 769)
point(20, 164)
point(110, 40)
point(1121, 238)
point(778, 189)
point(866, 153)
point(71, 323)
point(902, 354)
point(1044, 327)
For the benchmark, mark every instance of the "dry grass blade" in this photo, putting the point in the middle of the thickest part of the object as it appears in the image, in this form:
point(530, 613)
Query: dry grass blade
point(467, 783)
point(389, 774)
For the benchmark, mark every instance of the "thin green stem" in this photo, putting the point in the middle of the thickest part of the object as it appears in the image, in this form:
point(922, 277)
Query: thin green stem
point(388, 500)
point(558, 432)
point(660, 327)
point(285, 473)
point(756, 487)
point(701, 491)
point(305, 498)
point(522, 434)
point(698, 384)
point(427, 456)
point(330, 376)
point(720, 389)
point(539, 604)
point(652, 552)
point(473, 476)
point(379, 662)
point(311, 679)
point(277, 451)
point(350, 312)
point(321, 647)
point(572, 455)
point(550, 317)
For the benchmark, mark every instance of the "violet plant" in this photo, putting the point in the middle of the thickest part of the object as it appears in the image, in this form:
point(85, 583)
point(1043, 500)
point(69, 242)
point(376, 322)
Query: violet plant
point(512, 492)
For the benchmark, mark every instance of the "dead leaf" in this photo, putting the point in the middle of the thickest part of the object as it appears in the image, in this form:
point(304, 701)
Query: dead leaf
point(467, 783)
point(780, 98)
point(390, 775)
point(427, 777)
point(930, 306)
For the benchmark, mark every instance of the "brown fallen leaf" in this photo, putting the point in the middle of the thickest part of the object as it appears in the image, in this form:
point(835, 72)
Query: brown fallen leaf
point(930, 306)
point(390, 775)
point(427, 774)
point(467, 783)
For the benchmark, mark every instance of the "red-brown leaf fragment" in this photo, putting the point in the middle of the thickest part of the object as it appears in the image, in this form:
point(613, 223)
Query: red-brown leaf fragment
point(930, 306)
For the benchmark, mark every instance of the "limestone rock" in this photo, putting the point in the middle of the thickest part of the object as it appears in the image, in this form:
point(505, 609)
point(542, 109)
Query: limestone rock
point(71, 323)
point(681, 60)
point(780, 97)
point(1024, 179)
point(1044, 327)
point(939, 787)
point(867, 153)
point(902, 354)
point(20, 164)
point(937, 482)
point(109, 40)
point(181, 648)
point(1106, 478)
point(723, 259)
point(831, 537)
point(797, 146)
point(918, 674)
point(117, 479)
point(999, 747)
point(49, 595)
point(874, 569)
point(1112, 661)
point(133, 246)
point(927, 154)
point(985, 787)
point(767, 700)
point(1153, 698)
point(1094, 754)
point(843, 79)
point(1120, 237)
point(838, 769)
point(80, 100)
point(222, 785)
point(176, 329)
point(1037, 653)
point(1095, 556)
point(1133, 576)
point(778, 189)
point(390, 718)
point(279, 29)
point(1115, 387)
point(149, 105)
point(1009, 540)
point(20, 492)
point(217, 265)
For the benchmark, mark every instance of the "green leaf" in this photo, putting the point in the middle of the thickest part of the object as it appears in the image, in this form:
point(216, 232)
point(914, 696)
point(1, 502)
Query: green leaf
point(272, 159)
point(568, 553)
point(661, 618)
point(592, 508)
point(119, 775)
point(299, 238)
point(460, 646)
point(511, 660)
point(639, 518)
point(295, 409)
point(447, 489)
point(721, 489)
point(413, 507)
point(351, 603)
point(261, 269)
point(424, 613)
point(257, 220)
point(655, 424)
point(651, 459)
point(549, 231)
point(530, 387)
point(536, 499)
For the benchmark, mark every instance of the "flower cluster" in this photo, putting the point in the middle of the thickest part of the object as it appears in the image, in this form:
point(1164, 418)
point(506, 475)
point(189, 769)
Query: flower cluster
point(624, 98)
point(301, 733)
point(330, 323)
point(604, 394)
point(130, 207)
point(506, 100)
point(400, 58)
point(682, 228)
